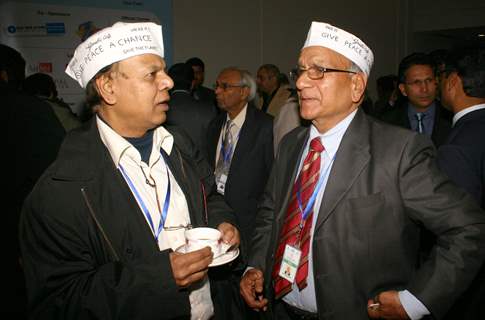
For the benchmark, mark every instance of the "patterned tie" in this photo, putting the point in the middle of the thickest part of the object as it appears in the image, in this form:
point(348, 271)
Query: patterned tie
point(225, 155)
point(419, 117)
point(291, 233)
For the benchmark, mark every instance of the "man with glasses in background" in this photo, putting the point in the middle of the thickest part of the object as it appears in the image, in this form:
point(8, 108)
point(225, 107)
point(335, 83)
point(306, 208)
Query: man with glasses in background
point(418, 108)
point(240, 149)
point(99, 232)
point(337, 231)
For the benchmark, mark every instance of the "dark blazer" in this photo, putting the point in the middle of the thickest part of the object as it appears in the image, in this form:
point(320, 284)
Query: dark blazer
point(250, 165)
point(398, 116)
point(383, 184)
point(191, 115)
point(88, 252)
point(204, 94)
point(462, 158)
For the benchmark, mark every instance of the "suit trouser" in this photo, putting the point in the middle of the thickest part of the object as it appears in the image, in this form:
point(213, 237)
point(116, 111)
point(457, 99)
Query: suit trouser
point(283, 311)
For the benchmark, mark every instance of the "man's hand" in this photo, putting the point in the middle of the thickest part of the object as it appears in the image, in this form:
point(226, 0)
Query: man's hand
point(386, 305)
point(230, 234)
point(251, 289)
point(190, 267)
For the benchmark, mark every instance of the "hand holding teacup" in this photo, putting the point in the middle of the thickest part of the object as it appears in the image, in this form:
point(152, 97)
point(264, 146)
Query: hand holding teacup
point(219, 240)
point(230, 234)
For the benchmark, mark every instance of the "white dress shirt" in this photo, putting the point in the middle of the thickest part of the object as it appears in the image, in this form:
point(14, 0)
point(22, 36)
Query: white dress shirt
point(235, 130)
point(126, 157)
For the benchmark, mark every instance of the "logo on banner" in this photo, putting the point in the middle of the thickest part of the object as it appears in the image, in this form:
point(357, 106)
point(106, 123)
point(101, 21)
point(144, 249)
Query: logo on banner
point(47, 29)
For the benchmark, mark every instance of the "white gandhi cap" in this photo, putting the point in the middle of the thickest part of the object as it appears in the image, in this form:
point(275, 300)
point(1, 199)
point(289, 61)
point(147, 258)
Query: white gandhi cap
point(325, 35)
point(113, 44)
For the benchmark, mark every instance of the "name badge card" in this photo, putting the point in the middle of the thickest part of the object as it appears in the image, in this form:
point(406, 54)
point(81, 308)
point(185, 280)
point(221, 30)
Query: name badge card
point(221, 184)
point(290, 263)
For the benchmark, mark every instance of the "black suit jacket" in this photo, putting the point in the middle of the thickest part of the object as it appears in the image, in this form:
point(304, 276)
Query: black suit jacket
point(250, 165)
point(191, 115)
point(398, 116)
point(462, 158)
point(383, 184)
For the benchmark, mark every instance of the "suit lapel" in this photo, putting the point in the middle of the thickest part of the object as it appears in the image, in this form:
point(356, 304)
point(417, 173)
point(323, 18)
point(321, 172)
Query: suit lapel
point(351, 158)
point(246, 140)
point(213, 133)
point(291, 159)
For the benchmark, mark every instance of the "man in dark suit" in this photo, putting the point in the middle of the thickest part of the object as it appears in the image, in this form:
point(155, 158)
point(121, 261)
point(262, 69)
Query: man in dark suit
point(337, 233)
point(240, 147)
point(462, 156)
point(184, 111)
point(199, 92)
point(250, 159)
point(419, 110)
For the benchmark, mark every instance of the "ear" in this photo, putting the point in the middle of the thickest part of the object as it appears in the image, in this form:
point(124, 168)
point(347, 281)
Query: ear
point(402, 89)
point(358, 84)
point(245, 93)
point(104, 85)
point(453, 86)
point(454, 81)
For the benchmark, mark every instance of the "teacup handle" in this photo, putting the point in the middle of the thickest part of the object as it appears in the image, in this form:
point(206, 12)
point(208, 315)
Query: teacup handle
point(224, 247)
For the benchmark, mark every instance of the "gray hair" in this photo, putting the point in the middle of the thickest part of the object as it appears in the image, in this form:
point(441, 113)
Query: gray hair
point(247, 80)
point(355, 68)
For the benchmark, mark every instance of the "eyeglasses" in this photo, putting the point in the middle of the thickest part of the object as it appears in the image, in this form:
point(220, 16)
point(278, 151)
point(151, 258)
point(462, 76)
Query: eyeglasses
point(224, 86)
point(314, 72)
point(419, 82)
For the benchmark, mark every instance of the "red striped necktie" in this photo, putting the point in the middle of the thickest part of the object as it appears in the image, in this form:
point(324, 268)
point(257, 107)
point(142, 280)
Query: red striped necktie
point(292, 232)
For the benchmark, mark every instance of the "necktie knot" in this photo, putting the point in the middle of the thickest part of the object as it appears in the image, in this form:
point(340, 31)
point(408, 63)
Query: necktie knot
point(316, 145)
point(419, 117)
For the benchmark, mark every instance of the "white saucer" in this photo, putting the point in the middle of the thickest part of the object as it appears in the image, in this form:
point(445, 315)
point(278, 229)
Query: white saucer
point(220, 260)
point(225, 258)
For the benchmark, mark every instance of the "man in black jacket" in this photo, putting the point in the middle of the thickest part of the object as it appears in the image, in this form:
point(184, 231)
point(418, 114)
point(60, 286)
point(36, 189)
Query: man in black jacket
point(99, 231)
point(184, 110)
point(462, 156)
point(34, 135)
point(418, 109)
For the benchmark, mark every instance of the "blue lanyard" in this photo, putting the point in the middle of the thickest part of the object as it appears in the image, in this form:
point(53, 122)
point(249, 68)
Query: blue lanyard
point(144, 207)
point(311, 201)
point(226, 156)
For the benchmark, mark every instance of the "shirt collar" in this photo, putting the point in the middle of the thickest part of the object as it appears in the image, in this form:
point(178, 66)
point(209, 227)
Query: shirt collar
point(465, 111)
point(119, 147)
point(240, 118)
point(429, 112)
point(332, 138)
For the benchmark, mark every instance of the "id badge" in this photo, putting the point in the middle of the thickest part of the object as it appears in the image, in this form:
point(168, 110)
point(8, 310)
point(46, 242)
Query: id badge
point(290, 263)
point(221, 184)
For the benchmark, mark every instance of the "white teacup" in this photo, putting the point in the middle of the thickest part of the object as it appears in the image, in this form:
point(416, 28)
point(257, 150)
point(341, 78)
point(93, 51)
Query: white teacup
point(198, 238)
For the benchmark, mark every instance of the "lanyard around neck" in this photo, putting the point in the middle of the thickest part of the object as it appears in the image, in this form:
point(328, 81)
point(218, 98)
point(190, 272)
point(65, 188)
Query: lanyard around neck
point(226, 154)
point(146, 212)
point(311, 201)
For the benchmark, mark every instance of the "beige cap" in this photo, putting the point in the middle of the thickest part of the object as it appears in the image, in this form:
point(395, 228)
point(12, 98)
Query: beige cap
point(113, 44)
point(341, 41)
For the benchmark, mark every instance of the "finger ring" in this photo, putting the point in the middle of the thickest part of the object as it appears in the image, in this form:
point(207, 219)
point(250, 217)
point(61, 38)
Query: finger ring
point(374, 306)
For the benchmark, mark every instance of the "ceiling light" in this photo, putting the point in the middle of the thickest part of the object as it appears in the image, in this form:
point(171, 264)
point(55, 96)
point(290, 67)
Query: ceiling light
point(481, 35)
